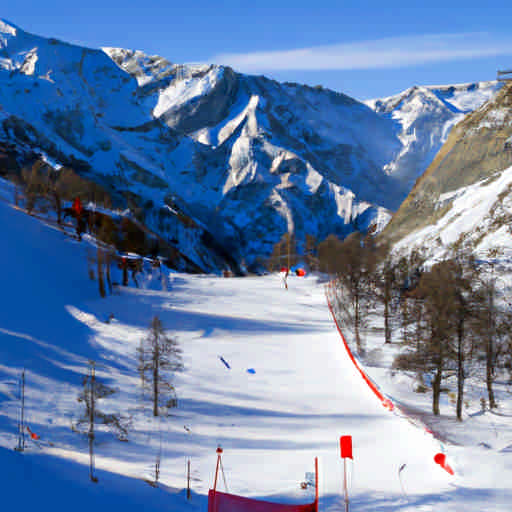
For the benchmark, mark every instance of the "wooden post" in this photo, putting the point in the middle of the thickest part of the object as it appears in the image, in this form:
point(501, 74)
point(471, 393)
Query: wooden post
point(21, 425)
point(288, 251)
point(188, 479)
point(92, 413)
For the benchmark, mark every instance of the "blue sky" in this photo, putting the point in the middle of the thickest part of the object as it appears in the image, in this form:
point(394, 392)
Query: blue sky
point(362, 48)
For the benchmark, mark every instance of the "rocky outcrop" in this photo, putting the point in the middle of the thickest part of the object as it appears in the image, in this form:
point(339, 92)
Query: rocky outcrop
point(475, 149)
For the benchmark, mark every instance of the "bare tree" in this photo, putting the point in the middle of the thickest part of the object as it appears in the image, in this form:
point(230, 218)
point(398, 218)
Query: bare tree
point(493, 327)
point(34, 184)
point(284, 253)
point(310, 252)
point(93, 391)
point(385, 289)
point(328, 255)
point(462, 272)
point(355, 268)
point(431, 351)
point(159, 356)
point(55, 190)
point(100, 260)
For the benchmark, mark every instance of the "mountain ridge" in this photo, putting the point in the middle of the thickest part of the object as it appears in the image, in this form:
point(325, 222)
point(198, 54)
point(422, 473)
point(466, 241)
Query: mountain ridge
point(246, 157)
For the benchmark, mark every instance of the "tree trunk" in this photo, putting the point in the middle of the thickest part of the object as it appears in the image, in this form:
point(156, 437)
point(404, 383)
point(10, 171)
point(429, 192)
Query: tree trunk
point(156, 362)
point(109, 278)
point(489, 371)
point(436, 392)
point(491, 329)
point(125, 273)
point(356, 323)
point(404, 314)
point(460, 371)
point(91, 424)
point(101, 278)
point(387, 324)
point(58, 208)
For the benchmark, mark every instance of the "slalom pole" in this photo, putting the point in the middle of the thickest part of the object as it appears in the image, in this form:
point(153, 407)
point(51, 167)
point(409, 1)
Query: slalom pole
point(345, 483)
point(23, 410)
point(21, 419)
point(188, 479)
point(346, 452)
point(316, 484)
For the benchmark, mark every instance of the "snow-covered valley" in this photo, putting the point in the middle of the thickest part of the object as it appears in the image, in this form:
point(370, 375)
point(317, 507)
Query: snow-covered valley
point(301, 395)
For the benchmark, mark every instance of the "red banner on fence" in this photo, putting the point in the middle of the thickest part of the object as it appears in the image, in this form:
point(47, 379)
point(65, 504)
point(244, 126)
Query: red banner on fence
point(223, 502)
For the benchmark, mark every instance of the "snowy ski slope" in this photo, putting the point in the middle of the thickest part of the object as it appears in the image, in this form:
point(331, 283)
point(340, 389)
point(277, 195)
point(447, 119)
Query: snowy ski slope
point(304, 393)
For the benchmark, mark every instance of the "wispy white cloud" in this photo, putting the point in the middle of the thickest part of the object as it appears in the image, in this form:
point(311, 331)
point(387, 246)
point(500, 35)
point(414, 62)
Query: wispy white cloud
point(395, 52)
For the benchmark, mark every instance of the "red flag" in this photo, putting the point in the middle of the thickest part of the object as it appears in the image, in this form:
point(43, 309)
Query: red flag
point(346, 447)
point(33, 435)
point(440, 458)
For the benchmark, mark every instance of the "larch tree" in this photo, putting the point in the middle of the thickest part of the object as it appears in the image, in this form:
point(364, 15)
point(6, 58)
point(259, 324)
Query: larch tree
point(493, 327)
point(355, 270)
point(159, 357)
point(431, 352)
point(328, 255)
point(385, 289)
point(462, 276)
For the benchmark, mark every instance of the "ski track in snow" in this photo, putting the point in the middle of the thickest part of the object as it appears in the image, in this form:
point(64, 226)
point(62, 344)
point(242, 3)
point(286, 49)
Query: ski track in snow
point(304, 394)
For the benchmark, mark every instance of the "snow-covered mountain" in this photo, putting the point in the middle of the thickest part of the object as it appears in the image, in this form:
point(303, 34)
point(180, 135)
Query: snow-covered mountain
point(238, 159)
point(479, 214)
point(270, 157)
point(425, 116)
point(465, 194)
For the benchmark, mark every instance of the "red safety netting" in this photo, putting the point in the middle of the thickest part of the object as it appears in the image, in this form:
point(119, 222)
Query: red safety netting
point(223, 502)
point(386, 402)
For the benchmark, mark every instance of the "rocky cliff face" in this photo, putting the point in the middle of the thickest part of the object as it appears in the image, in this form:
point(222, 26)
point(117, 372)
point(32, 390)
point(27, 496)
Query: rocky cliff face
point(465, 192)
point(245, 159)
point(424, 117)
